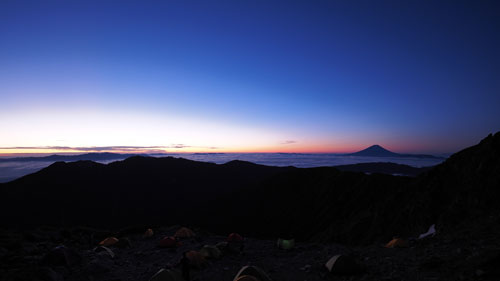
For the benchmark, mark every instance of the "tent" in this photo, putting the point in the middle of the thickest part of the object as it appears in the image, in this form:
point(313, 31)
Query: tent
point(209, 251)
point(221, 246)
point(341, 264)
point(110, 241)
point(184, 232)
point(104, 249)
point(254, 271)
point(247, 278)
point(196, 259)
point(430, 232)
point(286, 244)
point(168, 242)
point(397, 243)
point(167, 275)
point(149, 233)
point(234, 237)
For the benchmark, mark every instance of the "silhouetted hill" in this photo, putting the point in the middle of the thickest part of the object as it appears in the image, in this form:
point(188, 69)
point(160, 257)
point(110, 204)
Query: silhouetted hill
point(384, 168)
point(379, 151)
point(137, 190)
point(87, 156)
point(320, 204)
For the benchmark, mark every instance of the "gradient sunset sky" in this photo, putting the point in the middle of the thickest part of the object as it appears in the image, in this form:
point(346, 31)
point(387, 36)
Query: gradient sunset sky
point(248, 76)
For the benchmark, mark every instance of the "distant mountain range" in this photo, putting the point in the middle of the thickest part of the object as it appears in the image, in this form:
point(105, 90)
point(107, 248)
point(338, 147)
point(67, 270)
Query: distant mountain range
point(372, 151)
point(87, 156)
point(379, 151)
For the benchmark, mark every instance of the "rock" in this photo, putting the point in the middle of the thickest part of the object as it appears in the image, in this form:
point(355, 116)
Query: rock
point(99, 265)
point(3, 251)
point(306, 267)
point(32, 237)
point(432, 263)
point(61, 256)
point(479, 273)
point(33, 274)
point(123, 243)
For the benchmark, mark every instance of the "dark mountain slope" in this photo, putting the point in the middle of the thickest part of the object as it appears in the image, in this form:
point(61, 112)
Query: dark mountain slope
point(327, 205)
point(136, 190)
point(466, 186)
point(384, 168)
point(322, 204)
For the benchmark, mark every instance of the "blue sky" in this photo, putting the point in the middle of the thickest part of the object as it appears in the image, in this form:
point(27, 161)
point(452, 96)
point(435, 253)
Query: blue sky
point(294, 76)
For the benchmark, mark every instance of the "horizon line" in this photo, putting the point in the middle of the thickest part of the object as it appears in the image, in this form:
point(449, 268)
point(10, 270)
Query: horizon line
point(28, 152)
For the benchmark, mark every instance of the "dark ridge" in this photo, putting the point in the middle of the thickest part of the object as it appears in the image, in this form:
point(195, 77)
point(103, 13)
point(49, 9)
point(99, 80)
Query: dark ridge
point(137, 190)
point(243, 164)
point(318, 204)
point(384, 168)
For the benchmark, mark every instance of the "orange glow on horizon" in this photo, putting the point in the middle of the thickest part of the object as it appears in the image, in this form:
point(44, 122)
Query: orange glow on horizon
point(15, 152)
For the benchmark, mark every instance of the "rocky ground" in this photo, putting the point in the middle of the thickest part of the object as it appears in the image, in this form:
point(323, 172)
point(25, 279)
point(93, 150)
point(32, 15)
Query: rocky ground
point(461, 256)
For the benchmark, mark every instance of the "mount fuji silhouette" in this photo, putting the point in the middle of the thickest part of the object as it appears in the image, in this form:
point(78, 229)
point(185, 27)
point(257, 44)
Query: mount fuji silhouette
point(378, 151)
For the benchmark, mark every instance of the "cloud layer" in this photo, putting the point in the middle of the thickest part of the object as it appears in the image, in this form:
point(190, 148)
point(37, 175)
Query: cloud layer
point(151, 149)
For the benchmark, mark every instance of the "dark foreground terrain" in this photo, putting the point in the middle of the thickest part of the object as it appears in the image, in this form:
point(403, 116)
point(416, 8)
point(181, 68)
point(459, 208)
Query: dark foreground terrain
point(322, 208)
point(473, 254)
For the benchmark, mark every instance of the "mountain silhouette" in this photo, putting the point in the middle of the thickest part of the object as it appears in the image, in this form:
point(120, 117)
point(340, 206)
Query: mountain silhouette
point(318, 204)
point(378, 151)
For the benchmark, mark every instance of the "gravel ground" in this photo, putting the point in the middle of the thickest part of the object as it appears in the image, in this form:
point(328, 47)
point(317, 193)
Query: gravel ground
point(456, 257)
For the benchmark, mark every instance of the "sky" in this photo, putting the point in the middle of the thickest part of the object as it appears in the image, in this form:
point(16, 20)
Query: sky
point(248, 76)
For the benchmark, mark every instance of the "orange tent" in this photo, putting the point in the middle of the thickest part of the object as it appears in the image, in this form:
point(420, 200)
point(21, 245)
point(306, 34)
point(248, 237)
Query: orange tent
point(108, 241)
point(397, 243)
point(184, 232)
point(149, 233)
point(196, 259)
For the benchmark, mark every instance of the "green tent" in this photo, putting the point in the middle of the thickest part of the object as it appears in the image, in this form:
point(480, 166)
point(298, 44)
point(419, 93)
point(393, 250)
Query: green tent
point(286, 244)
point(211, 252)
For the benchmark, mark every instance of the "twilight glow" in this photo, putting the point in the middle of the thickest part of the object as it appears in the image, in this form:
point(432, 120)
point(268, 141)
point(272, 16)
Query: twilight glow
point(247, 76)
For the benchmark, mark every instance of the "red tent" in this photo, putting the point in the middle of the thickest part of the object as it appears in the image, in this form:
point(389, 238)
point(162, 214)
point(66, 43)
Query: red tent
point(168, 242)
point(234, 237)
